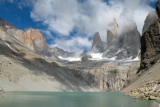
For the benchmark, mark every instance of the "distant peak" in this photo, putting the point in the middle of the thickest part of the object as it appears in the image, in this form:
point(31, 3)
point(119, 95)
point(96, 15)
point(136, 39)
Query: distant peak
point(96, 39)
point(115, 24)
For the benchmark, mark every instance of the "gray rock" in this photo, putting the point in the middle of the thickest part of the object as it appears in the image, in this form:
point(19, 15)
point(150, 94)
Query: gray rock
point(152, 16)
point(98, 45)
point(125, 45)
point(85, 57)
point(150, 46)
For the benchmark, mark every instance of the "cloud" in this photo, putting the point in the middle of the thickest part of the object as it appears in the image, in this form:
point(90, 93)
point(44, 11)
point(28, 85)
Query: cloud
point(3, 1)
point(75, 44)
point(87, 17)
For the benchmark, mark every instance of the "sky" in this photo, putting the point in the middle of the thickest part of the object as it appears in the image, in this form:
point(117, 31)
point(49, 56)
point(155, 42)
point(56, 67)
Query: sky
point(71, 24)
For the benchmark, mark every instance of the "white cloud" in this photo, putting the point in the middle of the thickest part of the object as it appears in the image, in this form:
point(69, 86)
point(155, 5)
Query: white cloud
point(10, 1)
point(75, 44)
point(88, 17)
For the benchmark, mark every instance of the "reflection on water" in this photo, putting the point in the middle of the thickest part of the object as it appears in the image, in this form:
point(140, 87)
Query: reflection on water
point(70, 99)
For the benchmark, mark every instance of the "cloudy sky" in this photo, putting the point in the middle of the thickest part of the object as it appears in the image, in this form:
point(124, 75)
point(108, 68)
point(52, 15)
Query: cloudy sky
point(71, 24)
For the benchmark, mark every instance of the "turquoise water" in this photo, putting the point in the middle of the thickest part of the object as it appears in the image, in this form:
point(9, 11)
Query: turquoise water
point(70, 99)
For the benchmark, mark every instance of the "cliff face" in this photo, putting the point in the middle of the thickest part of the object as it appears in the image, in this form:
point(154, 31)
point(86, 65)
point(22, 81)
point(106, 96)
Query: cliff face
point(123, 45)
point(109, 77)
point(31, 38)
point(150, 45)
point(152, 16)
point(35, 40)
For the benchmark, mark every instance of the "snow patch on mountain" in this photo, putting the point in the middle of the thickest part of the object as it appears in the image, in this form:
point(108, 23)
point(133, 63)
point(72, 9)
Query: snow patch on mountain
point(8, 45)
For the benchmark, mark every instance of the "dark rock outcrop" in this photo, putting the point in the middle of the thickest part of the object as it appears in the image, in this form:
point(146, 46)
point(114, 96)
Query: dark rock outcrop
point(85, 57)
point(158, 8)
point(152, 16)
point(150, 45)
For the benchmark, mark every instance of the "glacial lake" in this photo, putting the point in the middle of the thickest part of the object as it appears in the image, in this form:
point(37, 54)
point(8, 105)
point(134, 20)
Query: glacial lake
point(70, 99)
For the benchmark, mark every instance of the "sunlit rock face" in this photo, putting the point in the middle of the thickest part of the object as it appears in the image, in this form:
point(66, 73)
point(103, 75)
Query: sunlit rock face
point(123, 44)
point(33, 39)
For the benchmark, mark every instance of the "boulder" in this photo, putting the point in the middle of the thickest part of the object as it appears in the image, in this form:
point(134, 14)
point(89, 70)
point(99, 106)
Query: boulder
point(85, 57)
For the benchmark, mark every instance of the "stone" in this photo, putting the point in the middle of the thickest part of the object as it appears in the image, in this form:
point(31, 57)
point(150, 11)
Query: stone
point(152, 97)
point(85, 57)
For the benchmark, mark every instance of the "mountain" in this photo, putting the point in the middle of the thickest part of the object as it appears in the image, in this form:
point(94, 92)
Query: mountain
point(34, 40)
point(60, 52)
point(98, 46)
point(151, 17)
point(23, 69)
point(122, 45)
point(147, 85)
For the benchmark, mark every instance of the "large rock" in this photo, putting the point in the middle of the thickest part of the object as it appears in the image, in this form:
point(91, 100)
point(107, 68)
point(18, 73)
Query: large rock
point(34, 40)
point(152, 16)
point(85, 57)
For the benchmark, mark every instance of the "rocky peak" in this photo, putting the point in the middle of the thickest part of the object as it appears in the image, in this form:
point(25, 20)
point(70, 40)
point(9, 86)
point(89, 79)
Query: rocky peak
point(115, 25)
point(122, 45)
point(112, 34)
point(34, 40)
point(98, 45)
point(96, 39)
point(60, 52)
point(5, 25)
